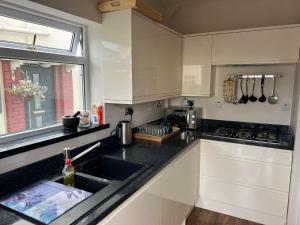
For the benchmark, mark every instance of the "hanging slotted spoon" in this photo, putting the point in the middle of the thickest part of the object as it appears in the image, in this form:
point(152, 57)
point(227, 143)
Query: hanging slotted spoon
point(252, 98)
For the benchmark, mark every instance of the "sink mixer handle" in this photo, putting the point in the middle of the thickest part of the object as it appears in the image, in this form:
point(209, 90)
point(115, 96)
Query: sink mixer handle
point(67, 152)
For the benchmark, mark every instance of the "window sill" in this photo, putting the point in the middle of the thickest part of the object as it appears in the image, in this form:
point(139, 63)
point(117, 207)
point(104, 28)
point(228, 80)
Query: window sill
point(38, 141)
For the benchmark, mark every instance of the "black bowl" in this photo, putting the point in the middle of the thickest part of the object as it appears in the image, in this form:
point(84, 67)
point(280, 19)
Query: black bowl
point(70, 122)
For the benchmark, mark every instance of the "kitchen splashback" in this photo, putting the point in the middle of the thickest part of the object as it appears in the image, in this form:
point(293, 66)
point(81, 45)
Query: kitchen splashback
point(216, 108)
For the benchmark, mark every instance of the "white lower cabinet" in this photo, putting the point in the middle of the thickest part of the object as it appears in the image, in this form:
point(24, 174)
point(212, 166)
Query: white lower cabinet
point(248, 182)
point(142, 209)
point(179, 188)
point(167, 199)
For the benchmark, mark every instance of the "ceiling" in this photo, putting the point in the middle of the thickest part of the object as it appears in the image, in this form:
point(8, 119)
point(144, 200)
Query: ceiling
point(195, 16)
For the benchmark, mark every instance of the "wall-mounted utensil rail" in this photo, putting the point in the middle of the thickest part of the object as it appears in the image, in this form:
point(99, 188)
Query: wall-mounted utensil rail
point(256, 76)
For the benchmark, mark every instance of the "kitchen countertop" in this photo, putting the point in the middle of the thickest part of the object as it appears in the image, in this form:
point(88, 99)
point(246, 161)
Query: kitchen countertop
point(209, 126)
point(156, 155)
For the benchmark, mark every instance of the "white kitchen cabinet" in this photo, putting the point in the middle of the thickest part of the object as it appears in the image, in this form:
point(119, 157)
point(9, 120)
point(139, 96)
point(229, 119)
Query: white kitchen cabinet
point(197, 66)
point(142, 60)
point(143, 208)
point(104, 222)
point(167, 199)
point(248, 182)
point(179, 185)
point(257, 46)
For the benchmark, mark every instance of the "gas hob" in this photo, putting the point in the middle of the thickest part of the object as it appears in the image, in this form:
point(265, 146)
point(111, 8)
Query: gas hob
point(259, 135)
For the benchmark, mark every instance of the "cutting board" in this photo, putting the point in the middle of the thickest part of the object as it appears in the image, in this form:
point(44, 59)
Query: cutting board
point(147, 137)
point(139, 5)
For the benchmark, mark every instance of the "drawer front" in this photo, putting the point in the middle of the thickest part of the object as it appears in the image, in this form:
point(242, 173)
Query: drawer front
point(248, 152)
point(251, 173)
point(258, 199)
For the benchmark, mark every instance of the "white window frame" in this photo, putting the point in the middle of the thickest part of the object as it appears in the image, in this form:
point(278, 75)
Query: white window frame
point(21, 52)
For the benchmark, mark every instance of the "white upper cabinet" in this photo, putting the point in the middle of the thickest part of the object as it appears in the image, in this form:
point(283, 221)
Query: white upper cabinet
point(197, 66)
point(141, 59)
point(263, 46)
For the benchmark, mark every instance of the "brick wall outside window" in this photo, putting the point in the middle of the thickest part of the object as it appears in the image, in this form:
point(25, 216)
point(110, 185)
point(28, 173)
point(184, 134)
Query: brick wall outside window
point(15, 108)
point(63, 92)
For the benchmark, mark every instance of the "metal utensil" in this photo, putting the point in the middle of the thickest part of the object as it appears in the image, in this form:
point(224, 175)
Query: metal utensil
point(242, 99)
point(273, 99)
point(252, 98)
point(235, 100)
point(246, 96)
point(262, 84)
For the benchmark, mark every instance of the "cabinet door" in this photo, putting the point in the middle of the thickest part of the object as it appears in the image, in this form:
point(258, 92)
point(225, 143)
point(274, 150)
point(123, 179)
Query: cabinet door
point(179, 188)
point(116, 57)
point(157, 60)
point(197, 52)
point(144, 208)
point(257, 47)
point(250, 182)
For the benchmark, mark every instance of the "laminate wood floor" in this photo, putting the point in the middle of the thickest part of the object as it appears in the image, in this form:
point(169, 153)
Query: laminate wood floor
point(206, 217)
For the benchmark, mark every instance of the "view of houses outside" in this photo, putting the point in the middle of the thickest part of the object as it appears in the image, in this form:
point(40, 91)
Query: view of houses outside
point(62, 84)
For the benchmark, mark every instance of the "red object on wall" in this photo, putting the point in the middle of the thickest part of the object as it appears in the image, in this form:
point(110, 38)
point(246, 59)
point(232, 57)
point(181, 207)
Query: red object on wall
point(15, 108)
point(63, 92)
point(100, 115)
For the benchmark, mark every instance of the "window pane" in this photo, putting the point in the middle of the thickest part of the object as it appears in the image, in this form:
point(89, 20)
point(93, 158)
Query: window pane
point(37, 94)
point(22, 32)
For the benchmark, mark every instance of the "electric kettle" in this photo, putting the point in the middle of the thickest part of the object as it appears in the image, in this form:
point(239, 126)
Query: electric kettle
point(124, 133)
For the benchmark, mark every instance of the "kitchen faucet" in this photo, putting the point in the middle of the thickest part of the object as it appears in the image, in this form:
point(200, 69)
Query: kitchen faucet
point(67, 152)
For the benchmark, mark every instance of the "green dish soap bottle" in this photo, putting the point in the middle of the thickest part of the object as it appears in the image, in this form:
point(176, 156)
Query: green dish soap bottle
point(68, 174)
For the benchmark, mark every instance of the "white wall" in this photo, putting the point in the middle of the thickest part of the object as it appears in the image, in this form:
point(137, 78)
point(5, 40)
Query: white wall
point(143, 112)
point(251, 112)
point(294, 199)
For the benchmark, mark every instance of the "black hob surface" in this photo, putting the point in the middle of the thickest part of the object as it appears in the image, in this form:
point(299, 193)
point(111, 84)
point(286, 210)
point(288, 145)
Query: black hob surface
point(260, 135)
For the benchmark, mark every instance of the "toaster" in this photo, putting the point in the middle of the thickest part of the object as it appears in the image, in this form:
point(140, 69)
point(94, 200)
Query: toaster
point(187, 118)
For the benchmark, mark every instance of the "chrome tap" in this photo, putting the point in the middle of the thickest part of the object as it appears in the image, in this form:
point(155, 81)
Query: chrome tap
point(67, 152)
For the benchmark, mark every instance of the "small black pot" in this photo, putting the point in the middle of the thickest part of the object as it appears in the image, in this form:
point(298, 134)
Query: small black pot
point(70, 122)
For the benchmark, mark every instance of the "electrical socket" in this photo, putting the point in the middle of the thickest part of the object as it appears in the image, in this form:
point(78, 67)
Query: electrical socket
point(128, 111)
point(219, 104)
point(158, 105)
point(286, 107)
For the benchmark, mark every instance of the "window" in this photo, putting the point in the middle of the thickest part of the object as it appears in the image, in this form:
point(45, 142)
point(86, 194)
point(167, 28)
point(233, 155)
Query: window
point(43, 72)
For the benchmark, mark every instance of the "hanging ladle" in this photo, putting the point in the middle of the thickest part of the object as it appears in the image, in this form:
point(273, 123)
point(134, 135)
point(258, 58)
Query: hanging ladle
point(242, 99)
point(273, 99)
point(252, 98)
point(262, 84)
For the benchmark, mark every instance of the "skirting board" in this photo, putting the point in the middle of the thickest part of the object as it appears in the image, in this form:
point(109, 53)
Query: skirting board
point(240, 212)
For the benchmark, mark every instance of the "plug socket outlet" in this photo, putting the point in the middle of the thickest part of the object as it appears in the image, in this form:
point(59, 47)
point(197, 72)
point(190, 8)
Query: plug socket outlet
point(128, 111)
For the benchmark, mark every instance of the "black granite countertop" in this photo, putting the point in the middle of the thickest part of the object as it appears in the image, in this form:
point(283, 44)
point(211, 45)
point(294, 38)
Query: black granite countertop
point(158, 156)
point(286, 133)
point(155, 155)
